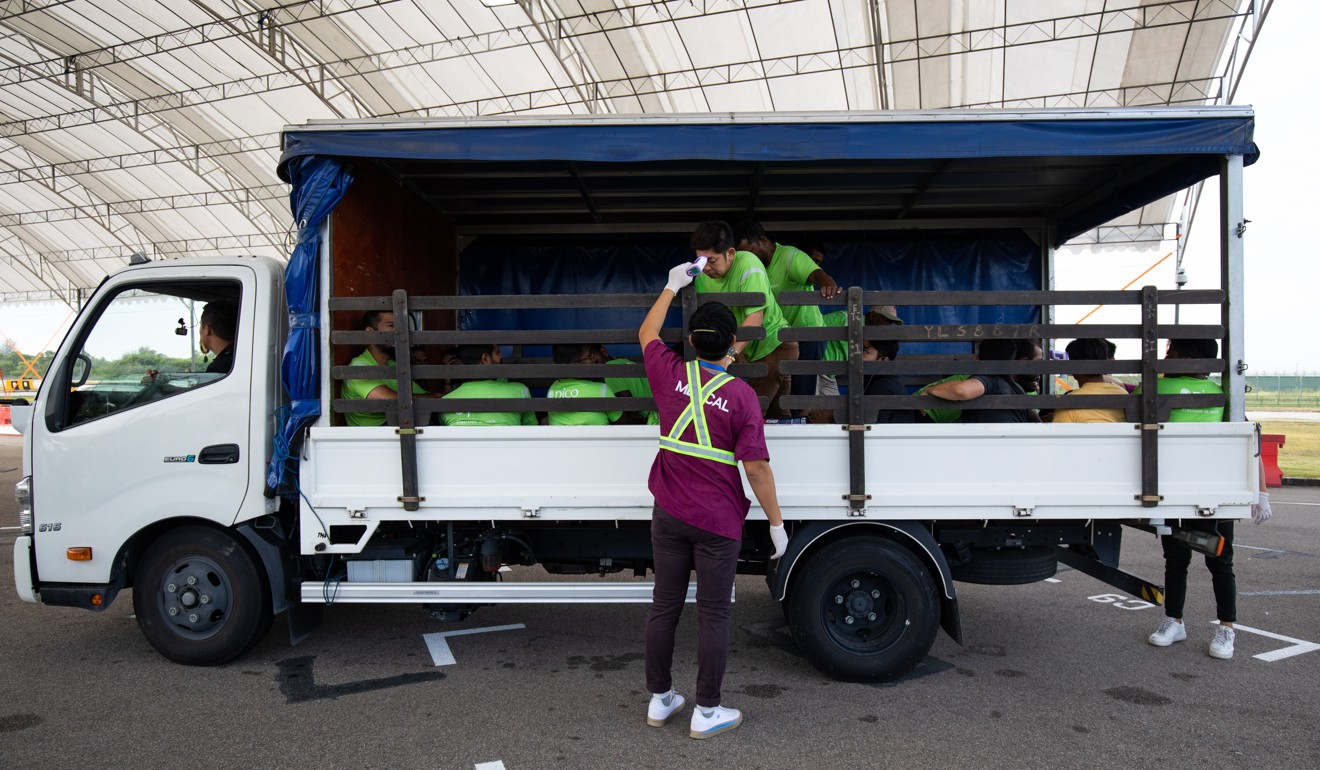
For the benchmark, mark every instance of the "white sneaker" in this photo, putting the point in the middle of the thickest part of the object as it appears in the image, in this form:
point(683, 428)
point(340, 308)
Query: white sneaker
point(1170, 631)
point(711, 722)
point(662, 707)
point(1222, 645)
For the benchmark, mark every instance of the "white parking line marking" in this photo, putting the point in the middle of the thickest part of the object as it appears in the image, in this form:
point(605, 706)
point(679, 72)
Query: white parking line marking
point(1258, 548)
point(1053, 580)
point(439, 648)
point(496, 765)
point(1299, 646)
point(1289, 502)
point(1300, 592)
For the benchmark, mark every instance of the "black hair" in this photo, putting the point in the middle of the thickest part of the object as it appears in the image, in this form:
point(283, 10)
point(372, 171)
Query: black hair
point(713, 326)
point(715, 235)
point(1195, 348)
point(886, 348)
point(570, 352)
point(1111, 348)
point(372, 317)
point(748, 230)
point(471, 354)
point(997, 350)
point(222, 317)
point(1026, 348)
point(1088, 350)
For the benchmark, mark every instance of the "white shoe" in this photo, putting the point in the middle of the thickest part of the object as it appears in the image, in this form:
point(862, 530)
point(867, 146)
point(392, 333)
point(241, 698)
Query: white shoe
point(659, 712)
point(1222, 645)
point(710, 722)
point(1171, 631)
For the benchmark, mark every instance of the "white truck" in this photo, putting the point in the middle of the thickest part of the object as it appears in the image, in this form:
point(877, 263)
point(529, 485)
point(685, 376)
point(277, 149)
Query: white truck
point(225, 498)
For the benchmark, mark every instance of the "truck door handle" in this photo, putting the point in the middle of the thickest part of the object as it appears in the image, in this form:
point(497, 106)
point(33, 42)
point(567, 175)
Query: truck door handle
point(218, 454)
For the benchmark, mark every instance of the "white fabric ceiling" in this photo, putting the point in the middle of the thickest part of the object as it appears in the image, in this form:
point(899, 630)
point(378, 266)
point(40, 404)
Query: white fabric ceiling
point(153, 125)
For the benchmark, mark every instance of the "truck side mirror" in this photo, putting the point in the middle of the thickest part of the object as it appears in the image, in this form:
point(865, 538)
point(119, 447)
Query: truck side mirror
point(81, 368)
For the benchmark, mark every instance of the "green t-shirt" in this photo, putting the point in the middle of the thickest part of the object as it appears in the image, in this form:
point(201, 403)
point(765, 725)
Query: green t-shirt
point(1190, 386)
point(637, 387)
point(572, 388)
point(788, 271)
point(358, 389)
point(489, 389)
point(944, 415)
point(748, 274)
point(835, 350)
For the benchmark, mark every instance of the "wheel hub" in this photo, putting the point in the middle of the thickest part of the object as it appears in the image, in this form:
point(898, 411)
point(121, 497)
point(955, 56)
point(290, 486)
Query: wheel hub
point(195, 597)
point(860, 610)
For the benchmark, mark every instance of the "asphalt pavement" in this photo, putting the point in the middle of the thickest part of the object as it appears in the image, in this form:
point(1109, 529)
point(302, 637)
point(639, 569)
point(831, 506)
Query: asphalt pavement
point(1050, 675)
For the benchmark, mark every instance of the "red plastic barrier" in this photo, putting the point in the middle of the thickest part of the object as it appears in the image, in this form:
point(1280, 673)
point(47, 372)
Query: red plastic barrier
point(1269, 452)
point(4, 415)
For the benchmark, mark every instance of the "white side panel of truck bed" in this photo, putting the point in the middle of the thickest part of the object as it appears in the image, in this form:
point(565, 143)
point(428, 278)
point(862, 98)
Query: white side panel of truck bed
point(916, 472)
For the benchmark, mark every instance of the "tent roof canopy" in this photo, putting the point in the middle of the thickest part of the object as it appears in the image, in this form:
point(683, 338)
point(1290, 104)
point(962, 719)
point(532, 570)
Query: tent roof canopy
point(1072, 170)
point(152, 125)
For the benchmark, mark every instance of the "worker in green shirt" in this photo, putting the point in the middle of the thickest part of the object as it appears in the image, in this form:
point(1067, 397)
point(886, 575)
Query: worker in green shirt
point(1190, 384)
point(488, 355)
point(575, 387)
point(374, 355)
point(730, 270)
point(790, 269)
point(632, 387)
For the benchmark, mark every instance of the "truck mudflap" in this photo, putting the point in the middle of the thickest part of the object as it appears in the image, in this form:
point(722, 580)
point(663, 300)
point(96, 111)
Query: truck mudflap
point(25, 578)
point(804, 537)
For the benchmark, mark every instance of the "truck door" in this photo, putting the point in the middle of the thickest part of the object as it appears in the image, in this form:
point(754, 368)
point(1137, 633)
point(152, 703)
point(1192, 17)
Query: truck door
point(132, 427)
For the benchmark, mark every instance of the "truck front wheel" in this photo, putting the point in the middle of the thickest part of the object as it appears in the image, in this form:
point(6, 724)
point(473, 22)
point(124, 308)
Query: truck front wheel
point(199, 597)
point(864, 609)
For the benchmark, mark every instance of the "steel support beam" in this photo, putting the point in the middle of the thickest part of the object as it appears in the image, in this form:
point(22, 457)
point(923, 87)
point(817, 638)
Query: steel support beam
point(1232, 228)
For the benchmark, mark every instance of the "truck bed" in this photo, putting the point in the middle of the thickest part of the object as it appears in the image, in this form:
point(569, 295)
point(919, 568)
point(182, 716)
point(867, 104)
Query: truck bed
point(1042, 472)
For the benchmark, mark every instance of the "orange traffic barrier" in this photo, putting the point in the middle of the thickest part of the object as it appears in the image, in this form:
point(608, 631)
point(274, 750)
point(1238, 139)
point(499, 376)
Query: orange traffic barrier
point(1270, 443)
point(4, 415)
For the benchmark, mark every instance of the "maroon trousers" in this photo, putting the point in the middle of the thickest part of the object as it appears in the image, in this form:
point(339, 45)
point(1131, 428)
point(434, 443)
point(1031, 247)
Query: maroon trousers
point(677, 548)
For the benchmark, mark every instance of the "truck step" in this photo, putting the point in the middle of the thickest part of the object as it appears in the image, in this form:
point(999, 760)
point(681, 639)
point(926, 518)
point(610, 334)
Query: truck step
point(483, 593)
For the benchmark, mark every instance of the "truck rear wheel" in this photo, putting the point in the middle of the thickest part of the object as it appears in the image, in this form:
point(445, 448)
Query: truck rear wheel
point(199, 598)
point(864, 610)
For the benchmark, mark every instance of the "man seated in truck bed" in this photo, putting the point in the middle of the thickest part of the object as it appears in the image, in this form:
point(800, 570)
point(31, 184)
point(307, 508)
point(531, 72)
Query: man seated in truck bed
point(986, 385)
point(374, 355)
point(1091, 384)
point(488, 355)
point(574, 387)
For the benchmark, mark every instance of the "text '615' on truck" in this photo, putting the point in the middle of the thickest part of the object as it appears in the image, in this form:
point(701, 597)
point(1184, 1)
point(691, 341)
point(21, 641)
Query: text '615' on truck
point(225, 497)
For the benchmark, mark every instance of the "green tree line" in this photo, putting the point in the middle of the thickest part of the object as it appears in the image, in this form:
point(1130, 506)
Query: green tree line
point(131, 365)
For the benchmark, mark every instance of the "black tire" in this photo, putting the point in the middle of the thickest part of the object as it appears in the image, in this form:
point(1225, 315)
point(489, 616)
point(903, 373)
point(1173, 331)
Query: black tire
point(888, 593)
point(1008, 566)
point(214, 588)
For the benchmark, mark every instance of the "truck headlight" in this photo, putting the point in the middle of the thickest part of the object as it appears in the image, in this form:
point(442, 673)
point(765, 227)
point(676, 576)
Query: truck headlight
point(23, 496)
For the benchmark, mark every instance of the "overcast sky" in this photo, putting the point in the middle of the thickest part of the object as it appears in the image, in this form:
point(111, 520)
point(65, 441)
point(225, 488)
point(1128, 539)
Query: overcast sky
point(1281, 202)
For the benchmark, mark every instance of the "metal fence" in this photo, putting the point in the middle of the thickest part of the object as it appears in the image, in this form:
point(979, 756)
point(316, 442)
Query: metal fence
point(1296, 389)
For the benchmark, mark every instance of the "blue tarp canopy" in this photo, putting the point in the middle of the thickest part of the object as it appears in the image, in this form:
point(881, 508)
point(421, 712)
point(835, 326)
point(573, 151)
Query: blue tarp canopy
point(1072, 170)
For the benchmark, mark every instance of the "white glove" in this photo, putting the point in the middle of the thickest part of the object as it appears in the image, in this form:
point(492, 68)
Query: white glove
point(1260, 510)
point(780, 538)
point(678, 277)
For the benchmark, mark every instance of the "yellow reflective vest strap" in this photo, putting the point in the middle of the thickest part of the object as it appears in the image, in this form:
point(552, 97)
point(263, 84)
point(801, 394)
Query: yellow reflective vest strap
point(695, 415)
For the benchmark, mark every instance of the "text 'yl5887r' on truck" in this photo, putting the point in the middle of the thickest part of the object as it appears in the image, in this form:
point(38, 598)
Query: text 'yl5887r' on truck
point(224, 499)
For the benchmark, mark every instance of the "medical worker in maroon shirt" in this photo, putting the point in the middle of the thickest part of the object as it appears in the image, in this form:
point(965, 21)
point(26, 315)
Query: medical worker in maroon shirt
point(709, 422)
